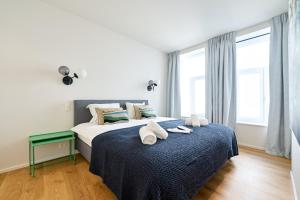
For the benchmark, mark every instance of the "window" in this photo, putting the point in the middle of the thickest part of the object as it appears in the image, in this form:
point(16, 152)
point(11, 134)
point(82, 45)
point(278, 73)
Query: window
point(192, 83)
point(253, 77)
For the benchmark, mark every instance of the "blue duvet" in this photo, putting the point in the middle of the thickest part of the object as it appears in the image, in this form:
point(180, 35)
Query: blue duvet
point(171, 169)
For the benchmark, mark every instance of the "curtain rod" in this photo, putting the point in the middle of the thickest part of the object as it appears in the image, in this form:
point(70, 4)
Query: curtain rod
point(253, 37)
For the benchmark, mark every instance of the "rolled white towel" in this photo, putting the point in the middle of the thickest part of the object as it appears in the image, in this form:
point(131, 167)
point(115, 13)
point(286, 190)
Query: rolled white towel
point(158, 130)
point(147, 136)
point(195, 121)
point(204, 122)
point(188, 122)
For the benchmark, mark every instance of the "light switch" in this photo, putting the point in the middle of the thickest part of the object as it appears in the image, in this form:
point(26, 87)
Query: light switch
point(68, 106)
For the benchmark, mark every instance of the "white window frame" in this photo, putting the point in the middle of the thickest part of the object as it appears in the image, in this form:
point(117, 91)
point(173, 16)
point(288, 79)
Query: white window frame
point(261, 119)
point(193, 96)
point(192, 100)
point(263, 71)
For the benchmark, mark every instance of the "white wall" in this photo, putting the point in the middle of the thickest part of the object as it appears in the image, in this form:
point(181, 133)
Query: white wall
point(35, 39)
point(296, 166)
point(251, 135)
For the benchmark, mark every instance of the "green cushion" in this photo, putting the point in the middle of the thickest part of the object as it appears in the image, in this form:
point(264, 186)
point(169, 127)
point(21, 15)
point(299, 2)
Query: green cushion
point(111, 117)
point(148, 113)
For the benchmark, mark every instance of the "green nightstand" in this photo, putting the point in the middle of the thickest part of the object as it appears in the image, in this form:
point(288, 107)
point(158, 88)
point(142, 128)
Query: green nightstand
point(48, 138)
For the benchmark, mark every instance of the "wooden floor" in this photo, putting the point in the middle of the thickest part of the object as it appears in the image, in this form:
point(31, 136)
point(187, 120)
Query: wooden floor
point(252, 175)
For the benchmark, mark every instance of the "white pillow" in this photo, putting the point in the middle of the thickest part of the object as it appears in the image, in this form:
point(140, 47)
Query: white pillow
point(92, 108)
point(130, 109)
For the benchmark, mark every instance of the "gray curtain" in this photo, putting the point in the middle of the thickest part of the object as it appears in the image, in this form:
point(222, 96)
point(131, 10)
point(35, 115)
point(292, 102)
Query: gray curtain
point(221, 80)
point(173, 85)
point(279, 136)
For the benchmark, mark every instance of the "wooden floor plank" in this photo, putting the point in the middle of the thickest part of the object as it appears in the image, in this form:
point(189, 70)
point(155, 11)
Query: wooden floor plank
point(12, 185)
point(253, 175)
point(2, 177)
point(33, 188)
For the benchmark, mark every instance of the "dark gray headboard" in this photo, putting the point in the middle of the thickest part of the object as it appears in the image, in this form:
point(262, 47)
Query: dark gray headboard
point(82, 114)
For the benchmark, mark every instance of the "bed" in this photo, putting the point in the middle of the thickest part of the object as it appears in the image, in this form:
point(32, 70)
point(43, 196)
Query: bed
point(173, 169)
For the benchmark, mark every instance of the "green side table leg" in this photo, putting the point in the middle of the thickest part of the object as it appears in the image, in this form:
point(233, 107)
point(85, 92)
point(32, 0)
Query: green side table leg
point(33, 161)
point(30, 158)
point(70, 149)
point(73, 151)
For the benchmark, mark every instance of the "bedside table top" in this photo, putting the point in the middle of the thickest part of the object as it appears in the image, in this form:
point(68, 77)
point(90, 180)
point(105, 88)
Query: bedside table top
point(51, 136)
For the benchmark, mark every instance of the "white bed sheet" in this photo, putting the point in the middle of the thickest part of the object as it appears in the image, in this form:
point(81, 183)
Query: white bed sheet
point(87, 131)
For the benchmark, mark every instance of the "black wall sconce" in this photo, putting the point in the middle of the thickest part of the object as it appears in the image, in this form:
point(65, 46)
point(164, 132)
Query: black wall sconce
point(151, 85)
point(68, 80)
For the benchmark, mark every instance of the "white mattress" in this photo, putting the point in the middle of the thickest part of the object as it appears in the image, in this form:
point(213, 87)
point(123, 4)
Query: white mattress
point(87, 131)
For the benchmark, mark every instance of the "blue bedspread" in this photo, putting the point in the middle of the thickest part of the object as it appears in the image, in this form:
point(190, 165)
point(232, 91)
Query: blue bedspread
point(171, 169)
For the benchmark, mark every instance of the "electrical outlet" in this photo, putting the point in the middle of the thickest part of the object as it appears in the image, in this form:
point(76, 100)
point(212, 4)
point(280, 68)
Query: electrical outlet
point(59, 145)
point(68, 106)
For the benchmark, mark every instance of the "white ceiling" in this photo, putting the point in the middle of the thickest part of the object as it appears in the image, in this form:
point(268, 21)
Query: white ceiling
point(171, 25)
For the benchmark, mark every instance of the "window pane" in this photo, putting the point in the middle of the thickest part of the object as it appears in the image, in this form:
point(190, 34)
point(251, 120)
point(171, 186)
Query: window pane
point(253, 53)
point(253, 77)
point(192, 66)
point(192, 63)
point(250, 96)
point(200, 96)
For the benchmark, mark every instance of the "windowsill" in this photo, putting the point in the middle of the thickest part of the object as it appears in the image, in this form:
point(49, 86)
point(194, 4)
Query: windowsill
point(252, 124)
point(187, 117)
point(238, 122)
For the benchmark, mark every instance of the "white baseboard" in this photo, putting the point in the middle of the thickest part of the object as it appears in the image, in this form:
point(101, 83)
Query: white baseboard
point(251, 146)
point(15, 167)
point(293, 185)
point(19, 166)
